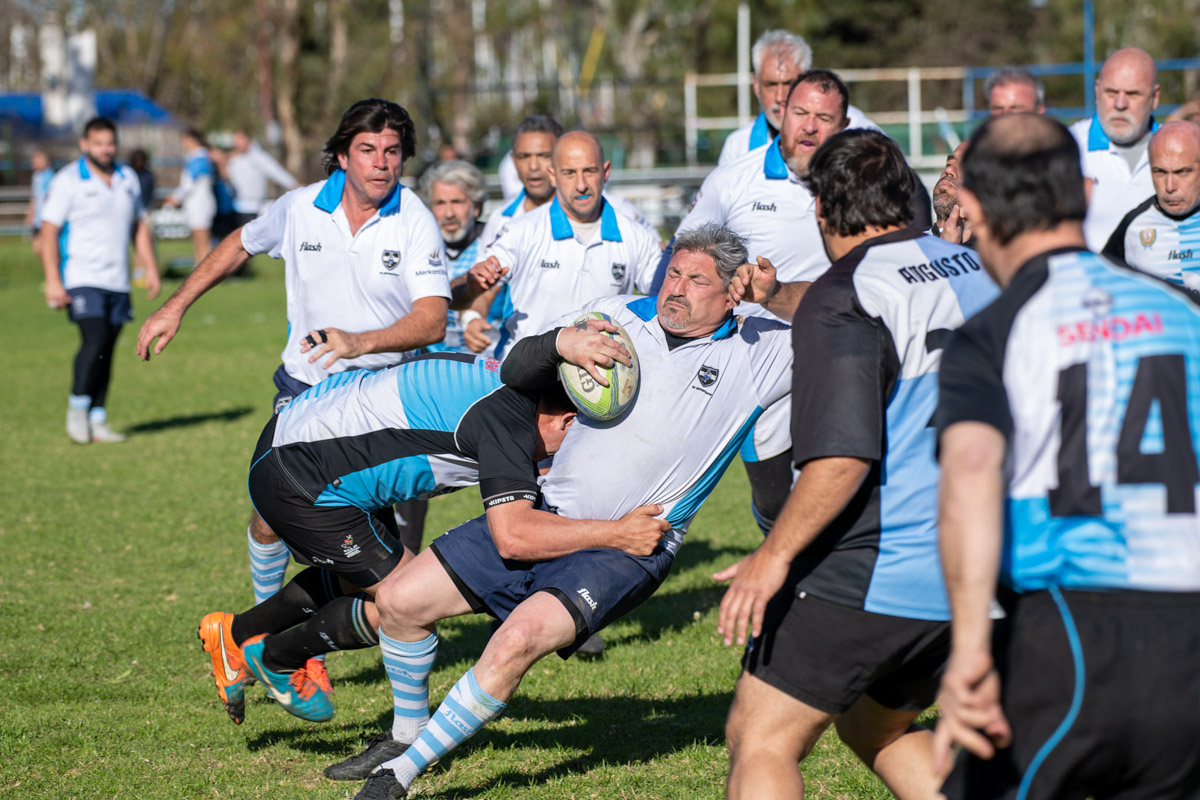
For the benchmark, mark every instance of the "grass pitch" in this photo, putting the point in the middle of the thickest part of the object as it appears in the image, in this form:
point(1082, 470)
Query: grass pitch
point(112, 553)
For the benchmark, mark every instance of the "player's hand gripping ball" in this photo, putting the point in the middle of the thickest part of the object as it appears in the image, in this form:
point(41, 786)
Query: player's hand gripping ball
point(602, 402)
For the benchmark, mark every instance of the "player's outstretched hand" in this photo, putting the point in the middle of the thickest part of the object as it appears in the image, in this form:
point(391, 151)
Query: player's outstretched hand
point(969, 712)
point(754, 283)
point(475, 335)
point(640, 531)
point(588, 347)
point(756, 579)
point(161, 325)
point(484, 276)
point(331, 342)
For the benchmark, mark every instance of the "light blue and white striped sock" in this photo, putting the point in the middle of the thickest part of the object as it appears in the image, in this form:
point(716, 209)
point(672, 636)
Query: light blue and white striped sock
point(464, 711)
point(268, 563)
point(97, 415)
point(408, 665)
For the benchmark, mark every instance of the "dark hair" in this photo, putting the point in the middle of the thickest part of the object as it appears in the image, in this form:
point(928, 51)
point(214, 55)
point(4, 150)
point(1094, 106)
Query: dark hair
point(1024, 169)
point(824, 80)
point(99, 124)
point(863, 181)
point(195, 133)
point(539, 123)
point(370, 116)
point(554, 399)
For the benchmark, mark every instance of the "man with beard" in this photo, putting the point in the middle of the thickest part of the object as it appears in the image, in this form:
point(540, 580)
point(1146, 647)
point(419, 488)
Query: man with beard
point(1113, 143)
point(1162, 235)
point(951, 224)
point(762, 196)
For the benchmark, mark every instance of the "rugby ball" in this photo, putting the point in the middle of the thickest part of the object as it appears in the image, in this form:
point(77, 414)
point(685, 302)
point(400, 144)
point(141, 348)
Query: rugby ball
point(602, 402)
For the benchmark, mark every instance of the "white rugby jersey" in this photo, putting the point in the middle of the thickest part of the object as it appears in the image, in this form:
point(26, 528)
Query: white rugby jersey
point(1115, 190)
point(96, 221)
point(550, 269)
point(1091, 372)
point(510, 211)
point(1156, 242)
point(359, 282)
point(758, 133)
point(695, 405)
point(759, 198)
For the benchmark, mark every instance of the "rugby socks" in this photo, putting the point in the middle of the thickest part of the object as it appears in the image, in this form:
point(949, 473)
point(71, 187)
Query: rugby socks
point(303, 597)
point(408, 665)
point(268, 563)
point(338, 625)
point(464, 711)
point(97, 415)
point(79, 402)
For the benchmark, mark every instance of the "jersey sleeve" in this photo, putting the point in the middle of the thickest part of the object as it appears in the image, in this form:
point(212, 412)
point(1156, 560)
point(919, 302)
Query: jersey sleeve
point(845, 366)
point(647, 254)
point(265, 234)
point(971, 384)
point(58, 201)
point(501, 430)
point(771, 357)
point(426, 259)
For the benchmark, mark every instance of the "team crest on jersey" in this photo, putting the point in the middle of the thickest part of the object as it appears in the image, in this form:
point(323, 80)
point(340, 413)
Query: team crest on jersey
point(435, 259)
point(618, 272)
point(1147, 236)
point(350, 547)
point(708, 375)
point(391, 259)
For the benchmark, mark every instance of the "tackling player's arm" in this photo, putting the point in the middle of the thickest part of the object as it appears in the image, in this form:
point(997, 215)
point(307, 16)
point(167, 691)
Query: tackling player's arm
point(533, 362)
point(523, 533)
point(974, 421)
point(218, 265)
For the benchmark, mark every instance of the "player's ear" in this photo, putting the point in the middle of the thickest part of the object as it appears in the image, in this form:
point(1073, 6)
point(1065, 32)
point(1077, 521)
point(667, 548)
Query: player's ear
point(607, 170)
point(567, 419)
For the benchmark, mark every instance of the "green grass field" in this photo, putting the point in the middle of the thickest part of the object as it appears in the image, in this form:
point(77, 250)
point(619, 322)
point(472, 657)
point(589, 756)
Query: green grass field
point(112, 553)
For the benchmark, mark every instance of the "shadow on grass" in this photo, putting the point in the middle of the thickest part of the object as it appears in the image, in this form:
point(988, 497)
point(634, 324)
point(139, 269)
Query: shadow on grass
point(188, 421)
point(597, 731)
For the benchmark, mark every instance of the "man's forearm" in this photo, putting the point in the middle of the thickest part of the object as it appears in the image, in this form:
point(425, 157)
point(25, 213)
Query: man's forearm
point(532, 363)
point(970, 513)
point(143, 246)
point(421, 327)
point(216, 267)
point(786, 297)
point(823, 490)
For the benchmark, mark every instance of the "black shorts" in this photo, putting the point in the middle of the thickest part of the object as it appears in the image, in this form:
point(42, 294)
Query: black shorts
point(361, 546)
point(287, 389)
point(596, 586)
point(827, 655)
point(88, 302)
point(1102, 690)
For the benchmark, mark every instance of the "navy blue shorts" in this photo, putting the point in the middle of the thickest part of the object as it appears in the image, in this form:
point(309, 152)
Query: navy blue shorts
point(597, 586)
point(90, 303)
point(288, 389)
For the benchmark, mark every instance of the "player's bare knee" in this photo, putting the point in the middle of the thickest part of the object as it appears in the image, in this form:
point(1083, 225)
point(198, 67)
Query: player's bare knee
point(261, 531)
point(518, 644)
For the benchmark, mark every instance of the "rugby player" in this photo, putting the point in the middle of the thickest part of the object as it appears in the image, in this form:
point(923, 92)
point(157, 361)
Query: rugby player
point(777, 57)
point(93, 210)
point(762, 197)
point(1161, 236)
point(1068, 432)
point(365, 277)
point(705, 376)
point(1112, 144)
point(330, 465)
point(844, 599)
point(568, 251)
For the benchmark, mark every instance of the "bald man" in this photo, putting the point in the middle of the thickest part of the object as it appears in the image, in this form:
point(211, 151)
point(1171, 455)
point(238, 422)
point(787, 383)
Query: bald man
point(571, 250)
point(1162, 235)
point(1112, 144)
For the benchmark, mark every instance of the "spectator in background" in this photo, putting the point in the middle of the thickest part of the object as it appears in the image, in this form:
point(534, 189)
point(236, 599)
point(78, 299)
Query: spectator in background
point(195, 192)
point(39, 162)
point(139, 162)
point(226, 220)
point(1012, 89)
point(250, 169)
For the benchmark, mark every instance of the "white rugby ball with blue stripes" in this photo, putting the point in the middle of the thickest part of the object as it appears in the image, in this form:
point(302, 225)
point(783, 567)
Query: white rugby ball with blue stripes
point(602, 402)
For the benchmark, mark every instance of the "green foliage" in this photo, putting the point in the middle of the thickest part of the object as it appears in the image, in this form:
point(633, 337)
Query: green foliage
point(113, 553)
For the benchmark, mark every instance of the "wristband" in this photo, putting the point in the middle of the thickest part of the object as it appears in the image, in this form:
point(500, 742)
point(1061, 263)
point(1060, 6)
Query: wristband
point(468, 316)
